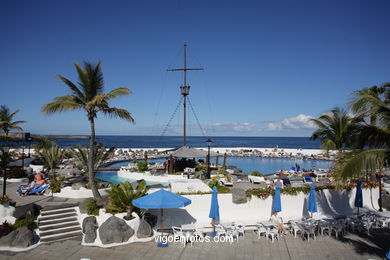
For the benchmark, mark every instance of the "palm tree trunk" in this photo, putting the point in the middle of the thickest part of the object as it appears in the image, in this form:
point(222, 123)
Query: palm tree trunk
point(91, 176)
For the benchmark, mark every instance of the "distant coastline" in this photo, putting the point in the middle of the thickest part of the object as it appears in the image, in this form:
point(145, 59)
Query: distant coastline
point(193, 141)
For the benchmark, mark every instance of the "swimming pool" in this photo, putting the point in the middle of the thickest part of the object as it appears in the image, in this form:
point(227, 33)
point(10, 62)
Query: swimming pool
point(246, 164)
point(112, 177)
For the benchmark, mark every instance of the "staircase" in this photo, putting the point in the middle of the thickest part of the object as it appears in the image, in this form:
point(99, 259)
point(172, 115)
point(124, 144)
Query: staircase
point(59, 222)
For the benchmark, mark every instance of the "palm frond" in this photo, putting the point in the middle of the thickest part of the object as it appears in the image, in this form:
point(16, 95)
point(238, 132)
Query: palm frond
point(354, 164)
point(118, 92)
point(51, 157)
point(60, 106)
point(119, 113)
point(43, 142)
point(81, 154)
point(76, 91)
point(6, 120)
point(83, 80)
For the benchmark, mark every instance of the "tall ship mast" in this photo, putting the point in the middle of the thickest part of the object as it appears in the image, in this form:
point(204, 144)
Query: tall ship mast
point(185, 91)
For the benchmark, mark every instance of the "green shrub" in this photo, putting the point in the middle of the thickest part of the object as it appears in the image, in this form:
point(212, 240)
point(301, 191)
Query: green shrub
point(92, 207)
point(128, 217)
point(135, 161)
point(221, 188)
point(26, 221)
point(143, 166)
point(263, 193)
point(55, 185)
point(4, 200)
point(201, 167)
point(256, 173)
point(221, 171)
point(122, 195)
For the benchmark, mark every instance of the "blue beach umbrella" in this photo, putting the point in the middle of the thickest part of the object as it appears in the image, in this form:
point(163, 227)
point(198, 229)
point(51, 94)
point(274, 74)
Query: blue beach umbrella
point(277, 205)
point(359, 196)
point(312, 206)
point(214, 209)
point(161, 199)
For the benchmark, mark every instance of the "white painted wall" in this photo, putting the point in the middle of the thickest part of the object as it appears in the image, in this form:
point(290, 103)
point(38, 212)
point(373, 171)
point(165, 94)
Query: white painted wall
point(329, 203)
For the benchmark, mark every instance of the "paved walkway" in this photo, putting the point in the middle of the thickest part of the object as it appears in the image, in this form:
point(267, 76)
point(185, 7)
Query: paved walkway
point(40, 200)
point(351, 247)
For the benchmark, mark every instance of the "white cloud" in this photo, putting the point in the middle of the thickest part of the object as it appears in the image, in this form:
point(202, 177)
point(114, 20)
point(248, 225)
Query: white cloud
point(235, 127)
point(300, 121)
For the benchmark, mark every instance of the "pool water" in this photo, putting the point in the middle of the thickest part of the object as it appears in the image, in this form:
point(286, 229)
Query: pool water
point(112, 177)
point(271, 165)
point(246, 164)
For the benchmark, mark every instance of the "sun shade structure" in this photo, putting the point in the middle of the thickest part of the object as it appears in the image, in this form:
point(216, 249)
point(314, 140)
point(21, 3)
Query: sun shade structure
point(312, 205)
point(277, 204)
point(161, 199)
point(188, 152)
point(214, 209)
point(359, 196)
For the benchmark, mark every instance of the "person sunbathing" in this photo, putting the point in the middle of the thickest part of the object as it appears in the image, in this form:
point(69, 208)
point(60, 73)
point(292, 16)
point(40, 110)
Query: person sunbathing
point(39, 179)
point(24, 189)
point(278, 221)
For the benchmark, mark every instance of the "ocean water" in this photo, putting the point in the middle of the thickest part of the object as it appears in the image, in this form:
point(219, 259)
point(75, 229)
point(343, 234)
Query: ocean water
point(196, 141)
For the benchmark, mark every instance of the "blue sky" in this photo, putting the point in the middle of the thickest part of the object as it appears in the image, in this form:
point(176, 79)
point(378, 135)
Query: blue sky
point(269, 65)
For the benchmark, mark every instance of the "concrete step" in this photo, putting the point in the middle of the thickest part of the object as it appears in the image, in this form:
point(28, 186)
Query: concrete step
point(57, 221)
point(56, 216)
point(62, 205)
point(57, 211)
point(59, 231)
point(59, 225)
point(76, 235)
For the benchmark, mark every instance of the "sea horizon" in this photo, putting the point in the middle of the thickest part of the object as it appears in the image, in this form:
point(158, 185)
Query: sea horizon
point(140, 141)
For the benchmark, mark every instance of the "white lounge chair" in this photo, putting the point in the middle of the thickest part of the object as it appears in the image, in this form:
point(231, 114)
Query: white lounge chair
point(258, 179)
point(219, 229)
point(241, 229)
point(273, 233)
point(261, 230)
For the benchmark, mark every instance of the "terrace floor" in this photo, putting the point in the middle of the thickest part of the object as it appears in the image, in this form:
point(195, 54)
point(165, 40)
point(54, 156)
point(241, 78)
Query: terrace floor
point(352, 246)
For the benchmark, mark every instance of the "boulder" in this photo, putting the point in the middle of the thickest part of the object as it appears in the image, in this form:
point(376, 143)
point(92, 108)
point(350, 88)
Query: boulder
point(21, 211)
point(6, 241)
point(89, 229)
point(239, 196)
point(386, 202)
point(115, 230)
point(144, 229)
point(21, 237)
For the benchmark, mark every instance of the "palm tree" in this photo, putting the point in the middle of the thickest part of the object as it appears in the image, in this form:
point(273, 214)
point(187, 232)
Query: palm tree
point(43, 142)
point(51, 157)
point(6, 120)
point(375, 135)
point(335, 129)
point(122, 195)
point(365, 102)
point(89, 96)
point(81, 154)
